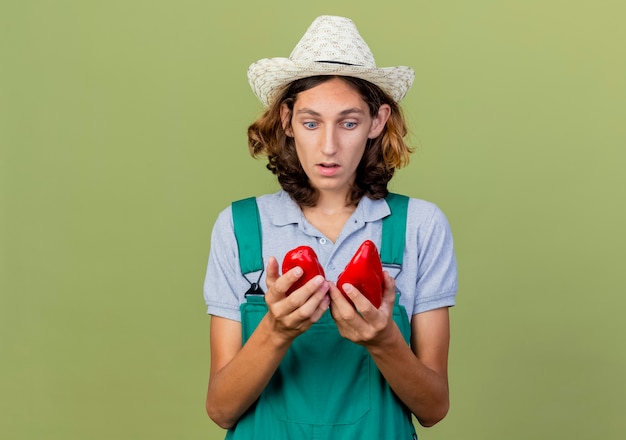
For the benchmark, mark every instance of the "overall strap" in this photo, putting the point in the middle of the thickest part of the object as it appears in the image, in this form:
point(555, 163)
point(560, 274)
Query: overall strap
point(247, 224)
point(394, 230)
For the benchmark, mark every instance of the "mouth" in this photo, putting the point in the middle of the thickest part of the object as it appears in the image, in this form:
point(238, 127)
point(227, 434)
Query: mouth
point(328, 168)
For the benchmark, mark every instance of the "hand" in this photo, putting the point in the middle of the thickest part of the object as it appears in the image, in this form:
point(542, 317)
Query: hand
point(292, 315)
point(363, 323)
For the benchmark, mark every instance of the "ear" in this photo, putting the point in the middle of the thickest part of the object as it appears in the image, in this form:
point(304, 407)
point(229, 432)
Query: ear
point(285, 119)
point(379, 121)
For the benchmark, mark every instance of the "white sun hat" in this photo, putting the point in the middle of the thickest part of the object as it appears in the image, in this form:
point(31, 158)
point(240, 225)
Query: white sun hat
point(330, 46)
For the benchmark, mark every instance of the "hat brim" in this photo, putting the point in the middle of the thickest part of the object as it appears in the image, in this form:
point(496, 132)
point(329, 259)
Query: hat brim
point(269, 75)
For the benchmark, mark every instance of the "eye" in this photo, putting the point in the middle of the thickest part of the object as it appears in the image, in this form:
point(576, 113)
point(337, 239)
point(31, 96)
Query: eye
point(310, 125)
point(349, 125)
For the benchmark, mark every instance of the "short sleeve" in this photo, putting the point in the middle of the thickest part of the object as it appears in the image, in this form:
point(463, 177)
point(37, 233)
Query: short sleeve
point(437, 270)
point(224, 285)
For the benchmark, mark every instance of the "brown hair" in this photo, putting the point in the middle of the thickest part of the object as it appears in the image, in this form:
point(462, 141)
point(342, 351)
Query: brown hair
point(267, 137)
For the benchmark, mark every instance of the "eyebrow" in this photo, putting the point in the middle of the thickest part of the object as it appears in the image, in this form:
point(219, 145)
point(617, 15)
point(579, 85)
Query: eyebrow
point(345, 112)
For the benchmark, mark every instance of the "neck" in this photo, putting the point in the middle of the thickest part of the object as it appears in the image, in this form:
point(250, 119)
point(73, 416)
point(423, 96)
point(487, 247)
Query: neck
point(331, 203)
point(329, 215)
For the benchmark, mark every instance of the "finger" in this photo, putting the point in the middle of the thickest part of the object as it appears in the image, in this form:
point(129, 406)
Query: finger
point(284, 282)
point(361, 303)
point(277, 285)
point(271, 276)
point(340, 307)
point(295, 305)
point(389, 291)
point(271, 271)
point(309, 295)
point(321, 308)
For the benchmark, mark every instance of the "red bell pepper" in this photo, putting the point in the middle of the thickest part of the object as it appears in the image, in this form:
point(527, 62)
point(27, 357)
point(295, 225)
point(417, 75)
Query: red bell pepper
point(365, 272)
point(306, 258)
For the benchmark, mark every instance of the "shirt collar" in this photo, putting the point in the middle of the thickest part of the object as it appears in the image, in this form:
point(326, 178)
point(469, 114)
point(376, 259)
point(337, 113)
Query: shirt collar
point(367, 210)
point(289, 211)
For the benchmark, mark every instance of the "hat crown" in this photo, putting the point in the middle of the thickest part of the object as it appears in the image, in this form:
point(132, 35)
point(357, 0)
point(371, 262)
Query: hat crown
point(330, 46)
point(335, 40)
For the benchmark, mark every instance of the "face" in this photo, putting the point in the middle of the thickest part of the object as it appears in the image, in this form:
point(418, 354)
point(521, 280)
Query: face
point(330, 125)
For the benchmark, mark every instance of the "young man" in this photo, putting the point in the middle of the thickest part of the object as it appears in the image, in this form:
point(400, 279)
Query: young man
point(315, 364)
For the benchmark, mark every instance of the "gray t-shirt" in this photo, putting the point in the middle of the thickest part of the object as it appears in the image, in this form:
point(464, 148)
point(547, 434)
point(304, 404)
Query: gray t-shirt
point(427, 280)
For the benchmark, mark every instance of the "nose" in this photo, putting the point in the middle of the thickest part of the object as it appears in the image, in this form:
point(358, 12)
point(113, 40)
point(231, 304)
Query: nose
point(329, 140)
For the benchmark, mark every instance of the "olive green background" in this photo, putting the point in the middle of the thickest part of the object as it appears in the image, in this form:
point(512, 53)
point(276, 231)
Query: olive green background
point(122, 135)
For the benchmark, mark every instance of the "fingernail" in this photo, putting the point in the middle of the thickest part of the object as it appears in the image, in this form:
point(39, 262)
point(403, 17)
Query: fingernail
point(297, 271)
point(318, 280)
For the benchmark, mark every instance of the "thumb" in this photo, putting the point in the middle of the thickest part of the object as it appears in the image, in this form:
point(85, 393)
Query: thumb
point(271, 271)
